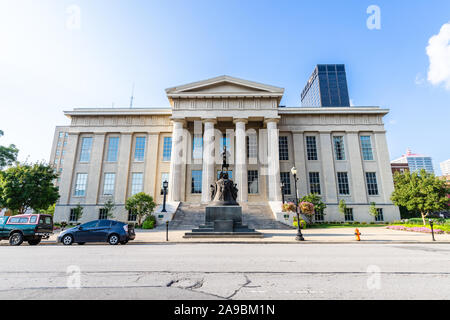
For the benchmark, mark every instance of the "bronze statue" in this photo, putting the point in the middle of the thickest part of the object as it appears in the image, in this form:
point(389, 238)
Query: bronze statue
point(225, 191)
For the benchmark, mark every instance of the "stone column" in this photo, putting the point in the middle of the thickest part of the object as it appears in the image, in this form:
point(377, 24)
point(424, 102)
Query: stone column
point(358, 190)
point(328, 172)
point(384, 165)
point(93, 189)
point(176, 163)
point(300, 164)
point(240, 167)
point(273, 159)
point(151, 164)
point(68, 174)
point(208, 176)
point(123, 168)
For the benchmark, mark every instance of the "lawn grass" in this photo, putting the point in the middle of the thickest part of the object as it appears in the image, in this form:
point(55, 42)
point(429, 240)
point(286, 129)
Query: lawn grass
point(342, 225)
point(443, 227)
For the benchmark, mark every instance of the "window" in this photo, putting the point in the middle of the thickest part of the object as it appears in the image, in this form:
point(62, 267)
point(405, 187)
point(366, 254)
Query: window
point(167, 148)
point(319, 216)
point(103, 214)
point(343, 183)
point(372, 186)
point(379, 216)
point(33, 219)
point(90, 224)
point(197, 147)
point(252, 150)
point(164, 177)
point(104, 223)
point(339, 148)
point(348, 214)
point(108, 185)
point(57, 152)
point(80, 184)
point(366, 147)
point(252, 181)
point(113, 149)
point(311, 148)
point(73, 215)
point(136, 182)
point(314, 182)
point(286, 179)
point(132, 216)
point(139, 149)
point(85, 154)
point(61, 134)
point(283, 148)
point(196, 186)
point(17, 220)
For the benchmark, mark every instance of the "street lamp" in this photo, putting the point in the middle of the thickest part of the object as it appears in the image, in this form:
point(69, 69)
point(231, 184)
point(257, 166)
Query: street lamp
point(299, 236)
point(165, 185)
point(282, 191)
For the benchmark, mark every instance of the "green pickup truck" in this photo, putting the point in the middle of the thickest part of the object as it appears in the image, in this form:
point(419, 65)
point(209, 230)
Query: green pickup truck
point(26, 227)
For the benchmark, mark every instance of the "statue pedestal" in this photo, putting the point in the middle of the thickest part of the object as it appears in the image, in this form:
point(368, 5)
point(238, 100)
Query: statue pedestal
point(223, 222)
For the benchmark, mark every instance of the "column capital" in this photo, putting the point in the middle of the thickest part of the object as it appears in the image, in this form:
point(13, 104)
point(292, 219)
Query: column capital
point(178, 120)
point(236, 120)
point(211, 120)
point(267, 120)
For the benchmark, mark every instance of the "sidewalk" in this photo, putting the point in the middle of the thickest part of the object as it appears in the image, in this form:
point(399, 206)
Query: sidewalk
point(331, 235)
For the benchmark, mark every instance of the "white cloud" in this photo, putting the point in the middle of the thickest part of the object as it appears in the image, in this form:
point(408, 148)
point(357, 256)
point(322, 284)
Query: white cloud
point(438, 52)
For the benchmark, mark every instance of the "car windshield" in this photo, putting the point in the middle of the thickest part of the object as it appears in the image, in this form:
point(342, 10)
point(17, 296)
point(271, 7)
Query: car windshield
point(89, 224)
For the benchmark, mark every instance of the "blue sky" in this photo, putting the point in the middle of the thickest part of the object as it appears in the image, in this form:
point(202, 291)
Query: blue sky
point(48, 65)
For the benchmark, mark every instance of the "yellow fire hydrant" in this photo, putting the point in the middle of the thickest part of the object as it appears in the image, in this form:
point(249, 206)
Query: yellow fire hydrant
point(357, 234)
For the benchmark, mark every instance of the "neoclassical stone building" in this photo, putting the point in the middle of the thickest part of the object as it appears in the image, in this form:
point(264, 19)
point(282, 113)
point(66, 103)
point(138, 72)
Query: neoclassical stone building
point(112, 153)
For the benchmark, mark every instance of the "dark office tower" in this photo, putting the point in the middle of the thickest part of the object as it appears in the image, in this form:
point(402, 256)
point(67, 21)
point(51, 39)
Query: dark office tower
point(327, 87)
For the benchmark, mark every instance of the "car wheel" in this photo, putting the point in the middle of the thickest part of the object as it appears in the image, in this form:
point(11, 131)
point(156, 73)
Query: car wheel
point(67, 240)
point(16, 239)
point(113, 239)
point(81, 243)
point(34, 242)
point(123, 242)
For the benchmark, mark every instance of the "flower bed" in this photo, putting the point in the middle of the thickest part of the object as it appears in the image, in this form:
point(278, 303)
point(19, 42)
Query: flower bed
point(415, 229)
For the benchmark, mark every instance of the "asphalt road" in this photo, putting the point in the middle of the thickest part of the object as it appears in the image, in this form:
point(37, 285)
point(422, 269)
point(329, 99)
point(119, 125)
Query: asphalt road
point(226, 271)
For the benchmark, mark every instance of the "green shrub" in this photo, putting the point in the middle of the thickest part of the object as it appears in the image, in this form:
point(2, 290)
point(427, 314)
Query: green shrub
point(363, 223)
point(149, 222)
point(372, 222)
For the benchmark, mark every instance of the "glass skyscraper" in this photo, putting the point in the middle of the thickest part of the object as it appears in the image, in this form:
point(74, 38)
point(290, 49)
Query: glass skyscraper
point(327, 87)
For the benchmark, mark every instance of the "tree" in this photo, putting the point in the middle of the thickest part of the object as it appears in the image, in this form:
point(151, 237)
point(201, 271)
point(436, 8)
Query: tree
point(342, 206)
point(316, 200)
point(78, 211)
point(50, 210)
point(109, 206)
point(420, 191)
point(140, 204)
point(7, 154)
point(28, 186)
point(373, 210)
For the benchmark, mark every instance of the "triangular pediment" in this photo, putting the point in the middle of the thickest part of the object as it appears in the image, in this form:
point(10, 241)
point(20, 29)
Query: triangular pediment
point(224, 85)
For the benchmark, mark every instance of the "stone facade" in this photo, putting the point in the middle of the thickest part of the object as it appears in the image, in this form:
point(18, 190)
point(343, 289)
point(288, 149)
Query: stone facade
point(263, 140)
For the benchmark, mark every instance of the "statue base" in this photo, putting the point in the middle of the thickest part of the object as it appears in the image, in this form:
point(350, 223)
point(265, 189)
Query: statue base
point(223, 222)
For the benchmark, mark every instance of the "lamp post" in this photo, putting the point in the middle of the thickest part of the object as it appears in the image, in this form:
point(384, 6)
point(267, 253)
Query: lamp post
point(299, 236)
point(432, 230)
point(282, 192)
point(165, 185)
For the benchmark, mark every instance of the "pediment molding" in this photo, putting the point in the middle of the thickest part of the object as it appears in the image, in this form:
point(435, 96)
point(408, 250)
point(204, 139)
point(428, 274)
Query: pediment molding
point(223, 87)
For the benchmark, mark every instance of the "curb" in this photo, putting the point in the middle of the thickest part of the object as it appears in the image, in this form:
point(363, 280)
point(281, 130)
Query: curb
point(306, 242)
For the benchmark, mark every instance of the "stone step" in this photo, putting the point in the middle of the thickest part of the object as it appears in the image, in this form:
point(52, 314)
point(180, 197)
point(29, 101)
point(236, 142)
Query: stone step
point(255, 216)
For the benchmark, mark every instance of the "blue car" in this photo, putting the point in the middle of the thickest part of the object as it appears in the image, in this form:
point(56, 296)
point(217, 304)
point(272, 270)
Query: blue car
point(110, 231)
